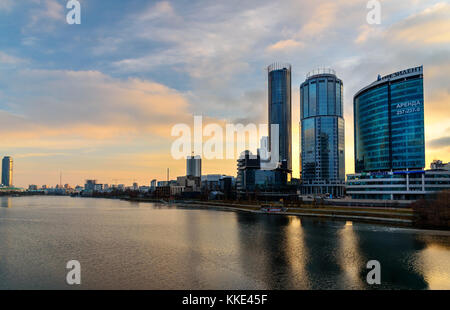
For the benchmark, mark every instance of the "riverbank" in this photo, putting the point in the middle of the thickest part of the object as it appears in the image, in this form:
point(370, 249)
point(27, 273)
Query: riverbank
point(384, 215)
point(399, 217)
point(402, 217)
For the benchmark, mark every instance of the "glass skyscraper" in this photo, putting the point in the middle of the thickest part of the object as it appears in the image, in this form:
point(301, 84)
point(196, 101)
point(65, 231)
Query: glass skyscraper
point(7, 171)
point(389, 123)
point(322, 134)
point(280, 109)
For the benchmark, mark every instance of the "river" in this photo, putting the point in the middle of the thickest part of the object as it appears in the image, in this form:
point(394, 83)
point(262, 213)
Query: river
point(129, 245)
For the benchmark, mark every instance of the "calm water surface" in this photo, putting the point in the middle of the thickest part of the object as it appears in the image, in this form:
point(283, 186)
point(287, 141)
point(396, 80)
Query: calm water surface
point(125, 245)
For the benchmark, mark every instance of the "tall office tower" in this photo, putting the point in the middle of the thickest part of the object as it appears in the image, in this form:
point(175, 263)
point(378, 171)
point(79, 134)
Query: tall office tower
point(194, 166)
point(390, 142)
point(280, 109)
point(322, 133)
point(389, 125)
point(7, 171)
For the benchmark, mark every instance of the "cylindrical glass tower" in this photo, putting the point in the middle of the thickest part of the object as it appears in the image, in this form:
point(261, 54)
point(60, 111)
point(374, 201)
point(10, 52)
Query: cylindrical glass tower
point(280, 109)
point(322, 134)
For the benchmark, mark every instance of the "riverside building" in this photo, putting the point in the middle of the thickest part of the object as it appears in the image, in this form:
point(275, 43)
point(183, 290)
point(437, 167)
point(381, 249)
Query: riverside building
point(322, 134)
point(390, 143)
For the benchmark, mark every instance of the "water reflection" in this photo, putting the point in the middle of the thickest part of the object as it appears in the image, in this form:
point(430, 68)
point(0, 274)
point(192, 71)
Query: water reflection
point(322, 240)
point(297, 253)
point(159, 247)
point(350, 258)
point(433, 261)
point(6, 202)
point(294, 253)
point(395, 252)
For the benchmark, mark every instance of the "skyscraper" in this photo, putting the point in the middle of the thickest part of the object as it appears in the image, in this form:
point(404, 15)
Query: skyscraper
point(280, 109)
point(7, 171)
point(322, 133)
point(389, 123)
point(390, 141)
point(194, 166)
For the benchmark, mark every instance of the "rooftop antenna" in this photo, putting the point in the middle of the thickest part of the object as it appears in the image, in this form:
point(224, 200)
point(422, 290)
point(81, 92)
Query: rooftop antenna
point(168, 169)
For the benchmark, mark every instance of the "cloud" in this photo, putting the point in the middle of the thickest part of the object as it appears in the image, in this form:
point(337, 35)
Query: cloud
point(286, 44)
point(105, 81)
point(161, 9)
point(88, 104)
point(443, 142)
point(27, 155)
point(6, 5)
point(323, 17)
point(10, 60)
point(367, 32)
point(430, 26)
point(43, 15)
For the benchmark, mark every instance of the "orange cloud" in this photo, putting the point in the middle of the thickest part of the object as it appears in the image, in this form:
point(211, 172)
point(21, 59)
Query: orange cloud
point(285, 44)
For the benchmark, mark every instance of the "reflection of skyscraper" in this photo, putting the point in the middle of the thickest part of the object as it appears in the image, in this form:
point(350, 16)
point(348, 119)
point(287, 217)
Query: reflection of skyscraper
point(194, 166)
point(322, 133)
point(280, 109)
point(7, 171)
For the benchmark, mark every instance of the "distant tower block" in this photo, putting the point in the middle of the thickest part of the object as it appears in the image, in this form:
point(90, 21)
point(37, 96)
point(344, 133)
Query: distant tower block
point(194, 166)
point(7, 171)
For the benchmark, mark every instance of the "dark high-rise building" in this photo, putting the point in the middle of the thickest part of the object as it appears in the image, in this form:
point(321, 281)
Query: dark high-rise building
point(194, 166)
point(389, 123)
point(7, 171)
point(322, 133)
point(280, 109)
point(247, 165)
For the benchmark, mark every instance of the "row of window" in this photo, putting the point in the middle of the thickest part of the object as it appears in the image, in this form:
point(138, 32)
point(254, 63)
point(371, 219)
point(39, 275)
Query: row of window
point(320, 96)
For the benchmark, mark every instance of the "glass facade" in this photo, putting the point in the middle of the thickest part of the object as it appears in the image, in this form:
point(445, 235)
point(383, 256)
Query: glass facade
point(322, 130)
point(280, 107)
point(389, 124)
point(7, 171)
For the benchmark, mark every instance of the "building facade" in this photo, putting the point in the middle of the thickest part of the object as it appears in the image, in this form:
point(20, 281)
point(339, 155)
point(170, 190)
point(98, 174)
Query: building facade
point(280, 109)
point(390, 140)
point(90, 185)
point(322, 134)
point(397, 185)
point(389, 123)
point(7, 171)
point(247, 165)
point(194, 166)
point(439, 165)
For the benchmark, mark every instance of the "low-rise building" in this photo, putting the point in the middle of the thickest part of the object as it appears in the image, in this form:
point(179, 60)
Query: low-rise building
point(397, 185)
point(176, 190)
point(439, 165)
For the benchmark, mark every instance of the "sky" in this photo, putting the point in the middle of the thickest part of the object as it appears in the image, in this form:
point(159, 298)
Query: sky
point(99, 99)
